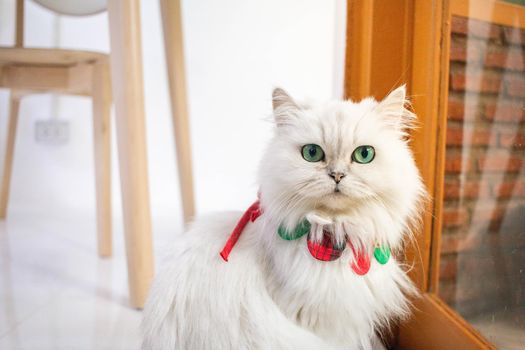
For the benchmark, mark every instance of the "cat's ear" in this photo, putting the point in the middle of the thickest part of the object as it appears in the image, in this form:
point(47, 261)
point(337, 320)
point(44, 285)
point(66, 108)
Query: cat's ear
point(393, 110)
point(285, 109)
point(281, 99)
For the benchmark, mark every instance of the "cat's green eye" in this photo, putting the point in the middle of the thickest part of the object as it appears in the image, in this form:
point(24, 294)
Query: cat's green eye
point(313, 153)
point(364, 154)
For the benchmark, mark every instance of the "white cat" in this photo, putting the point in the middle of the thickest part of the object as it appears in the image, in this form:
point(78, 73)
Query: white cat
point(339, 191)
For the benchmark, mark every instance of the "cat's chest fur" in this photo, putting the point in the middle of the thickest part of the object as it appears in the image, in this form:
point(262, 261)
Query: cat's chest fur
point(328, 297)
point(271, 294)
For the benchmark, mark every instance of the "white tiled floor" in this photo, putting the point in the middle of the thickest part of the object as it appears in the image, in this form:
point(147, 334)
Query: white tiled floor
point(55, 293)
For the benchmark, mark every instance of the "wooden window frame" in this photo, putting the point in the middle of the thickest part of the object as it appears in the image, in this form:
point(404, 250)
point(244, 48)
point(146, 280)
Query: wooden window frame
point(408, 41)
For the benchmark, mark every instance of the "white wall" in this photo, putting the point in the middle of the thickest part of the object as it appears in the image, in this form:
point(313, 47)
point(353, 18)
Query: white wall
point(236, 51)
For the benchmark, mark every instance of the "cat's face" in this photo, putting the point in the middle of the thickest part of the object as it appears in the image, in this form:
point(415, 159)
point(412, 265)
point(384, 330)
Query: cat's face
point(342, 159)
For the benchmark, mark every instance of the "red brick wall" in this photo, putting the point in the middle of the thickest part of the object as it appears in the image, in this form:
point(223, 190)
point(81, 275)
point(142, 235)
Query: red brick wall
point(483, 241)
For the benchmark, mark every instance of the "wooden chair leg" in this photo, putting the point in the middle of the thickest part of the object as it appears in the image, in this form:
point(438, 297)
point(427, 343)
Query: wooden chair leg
point(101, 94)
point(173, 46)
point(14, 107)
point(126, 77)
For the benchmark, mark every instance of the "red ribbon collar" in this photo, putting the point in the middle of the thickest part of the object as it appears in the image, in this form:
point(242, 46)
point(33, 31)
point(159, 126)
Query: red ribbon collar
point(253, 212)
point(321, 251)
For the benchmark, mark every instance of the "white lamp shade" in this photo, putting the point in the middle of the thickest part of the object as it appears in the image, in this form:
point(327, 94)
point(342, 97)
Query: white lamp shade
point(74, 7)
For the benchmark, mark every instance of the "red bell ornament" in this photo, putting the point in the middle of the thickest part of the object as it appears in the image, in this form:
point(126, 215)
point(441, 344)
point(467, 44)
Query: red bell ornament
point(361, 263)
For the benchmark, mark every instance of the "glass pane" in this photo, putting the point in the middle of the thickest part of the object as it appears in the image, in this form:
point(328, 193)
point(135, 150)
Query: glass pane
point(482, 272)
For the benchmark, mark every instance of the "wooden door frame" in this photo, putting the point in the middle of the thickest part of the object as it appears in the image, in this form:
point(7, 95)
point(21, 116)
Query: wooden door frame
point(418, 44)
point(417, 40)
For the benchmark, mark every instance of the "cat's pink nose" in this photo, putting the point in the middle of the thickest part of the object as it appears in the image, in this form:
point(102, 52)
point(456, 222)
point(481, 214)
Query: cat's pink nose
point(337, 176)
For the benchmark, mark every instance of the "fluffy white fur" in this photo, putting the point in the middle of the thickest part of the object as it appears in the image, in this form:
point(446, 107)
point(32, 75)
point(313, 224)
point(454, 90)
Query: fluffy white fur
point(272, 294)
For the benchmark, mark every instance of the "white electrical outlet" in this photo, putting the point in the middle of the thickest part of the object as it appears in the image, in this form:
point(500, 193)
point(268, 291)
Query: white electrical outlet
point(52, 132)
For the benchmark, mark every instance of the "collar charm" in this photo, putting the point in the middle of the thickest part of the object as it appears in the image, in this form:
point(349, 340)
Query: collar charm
point(325, 250)
point(382, 254)
point(301, 229)
point(361, 264)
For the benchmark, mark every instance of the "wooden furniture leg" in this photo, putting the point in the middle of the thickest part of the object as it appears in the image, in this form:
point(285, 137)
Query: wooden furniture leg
point(174, 48)
point(14, 107)
point(126, 74)
point(101, 94)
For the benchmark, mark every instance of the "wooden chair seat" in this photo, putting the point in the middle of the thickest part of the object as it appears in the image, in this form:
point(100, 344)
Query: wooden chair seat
point(28, 70)
point(48, 57)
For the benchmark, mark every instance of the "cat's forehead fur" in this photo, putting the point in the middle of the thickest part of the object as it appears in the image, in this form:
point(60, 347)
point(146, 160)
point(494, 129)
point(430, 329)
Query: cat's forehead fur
point(339, 125)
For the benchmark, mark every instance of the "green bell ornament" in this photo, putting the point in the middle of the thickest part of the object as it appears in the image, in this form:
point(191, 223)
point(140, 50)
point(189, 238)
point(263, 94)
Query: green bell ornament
point(300, 230)
point(382, 254)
